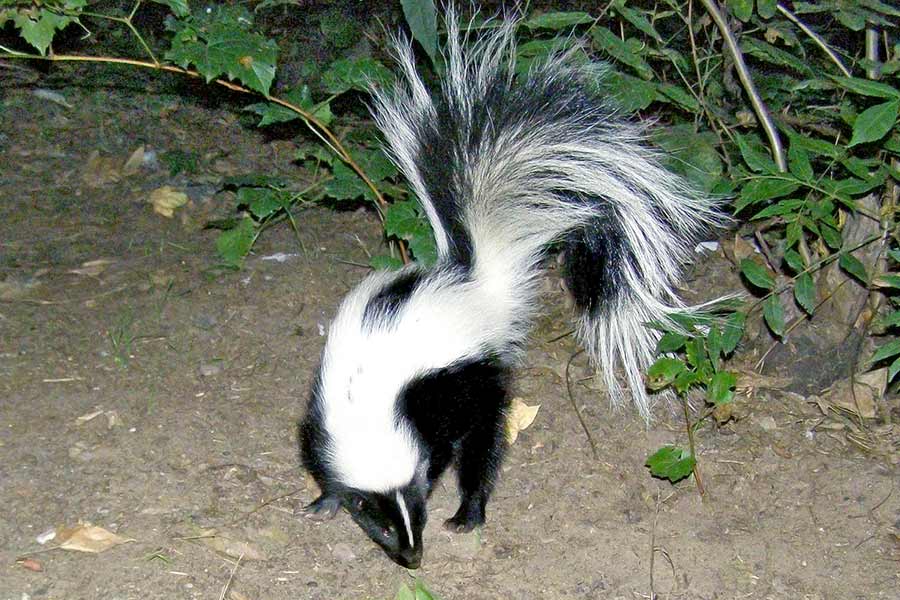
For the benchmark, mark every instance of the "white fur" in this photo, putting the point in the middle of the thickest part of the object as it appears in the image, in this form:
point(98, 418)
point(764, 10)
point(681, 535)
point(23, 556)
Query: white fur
point(404, 512)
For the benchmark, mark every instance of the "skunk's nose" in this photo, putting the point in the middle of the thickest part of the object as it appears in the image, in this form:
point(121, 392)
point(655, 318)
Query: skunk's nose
point(411, 559)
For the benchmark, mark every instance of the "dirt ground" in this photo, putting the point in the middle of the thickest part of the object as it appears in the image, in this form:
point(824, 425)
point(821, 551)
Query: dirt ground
point(156, 395)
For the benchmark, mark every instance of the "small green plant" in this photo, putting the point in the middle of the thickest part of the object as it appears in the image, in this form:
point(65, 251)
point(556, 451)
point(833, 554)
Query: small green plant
point(694, 347)
point(121, 338)
point(418, 592)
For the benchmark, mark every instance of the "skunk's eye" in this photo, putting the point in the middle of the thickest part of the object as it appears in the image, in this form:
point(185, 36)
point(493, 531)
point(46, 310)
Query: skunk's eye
point(359, 503)
point(387, 532)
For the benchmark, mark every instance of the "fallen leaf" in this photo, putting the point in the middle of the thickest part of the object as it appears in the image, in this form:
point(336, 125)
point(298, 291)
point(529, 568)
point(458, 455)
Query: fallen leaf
point(89, 416)
point(92, 268)
point(166, 199)
point(85, 537)
point(100, 170)
point(31, 564)
point(229, 546)
point(519, 417)
point(867, 389)
point(134, 162)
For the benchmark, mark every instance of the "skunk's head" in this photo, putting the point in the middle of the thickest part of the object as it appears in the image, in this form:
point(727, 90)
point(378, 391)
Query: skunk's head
point(394, 520)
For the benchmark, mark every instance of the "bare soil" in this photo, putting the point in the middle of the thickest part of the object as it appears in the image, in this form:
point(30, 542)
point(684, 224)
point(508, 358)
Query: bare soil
point(197, 376)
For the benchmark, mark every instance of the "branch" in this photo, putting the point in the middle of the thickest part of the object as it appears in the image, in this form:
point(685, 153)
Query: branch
point(817, 39)
point(762, 113)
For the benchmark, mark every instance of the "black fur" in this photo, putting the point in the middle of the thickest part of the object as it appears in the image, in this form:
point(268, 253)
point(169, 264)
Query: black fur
point(387, 303)
point(592, 268)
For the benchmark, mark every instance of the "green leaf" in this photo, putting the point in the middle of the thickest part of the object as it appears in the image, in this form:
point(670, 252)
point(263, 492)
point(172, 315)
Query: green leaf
point(721, 388)
point(38, 26)
point(798, 163)
point(374, 163)
point(794, 260)
point(421, 16)
point(767, 52)
point(299, 96)
point(670, 342)
point(873, 123)
point(733, 331)
point(662, 372)
point(888, 350)
point(773, 313)
point(714, 345)
point(867, 87)
point(558, 20)
point(234, 244)
point(805, 292)
point(179, 8)
point(626, 52)
point(831, 236)
point(672, 463)
point(356, 74)
point(690, 154)
point(755, 154)
point(630, 93)
point(385, 263)
point(894, 368)
point(890, 281)
point(783, 207)
point(680, 96)
point(760, 189)
point(404, 593)
point(219, 42)
point(261, 201)
point(854, 266)
point(766, 8)
point(757, 274)
point(345, 183)
point(405, 220)
point(742, 9)
point(638, 20)
point(422, 593)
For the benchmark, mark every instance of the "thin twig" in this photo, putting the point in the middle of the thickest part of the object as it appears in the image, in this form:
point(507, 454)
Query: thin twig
point(817, 39)
point(759, 107)
point(230, 578)
point(587, 432)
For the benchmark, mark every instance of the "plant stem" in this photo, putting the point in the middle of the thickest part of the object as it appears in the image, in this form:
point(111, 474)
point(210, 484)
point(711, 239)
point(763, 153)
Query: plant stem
point(690, 434)
point(817, 39)
point(762, 113)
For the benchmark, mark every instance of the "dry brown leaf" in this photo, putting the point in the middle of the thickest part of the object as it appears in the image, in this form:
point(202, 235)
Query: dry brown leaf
point(85, 537)
point(134, 162)
point(519, 417)
point(166, 199)
point(230, 546)
point(31, 564)
point(868, 388)
point(100, 170)
point(92, 268)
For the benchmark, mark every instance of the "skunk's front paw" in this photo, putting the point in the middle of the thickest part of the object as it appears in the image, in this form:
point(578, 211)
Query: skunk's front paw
point(322, 508)
point(465, 520)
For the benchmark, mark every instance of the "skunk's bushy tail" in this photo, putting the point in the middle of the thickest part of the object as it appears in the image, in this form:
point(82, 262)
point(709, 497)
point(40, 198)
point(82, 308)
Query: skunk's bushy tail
point(507, 165)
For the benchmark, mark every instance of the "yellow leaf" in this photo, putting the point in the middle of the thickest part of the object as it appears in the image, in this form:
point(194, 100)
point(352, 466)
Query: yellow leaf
point(85, 537)
point(519, 417)
point(166, 199)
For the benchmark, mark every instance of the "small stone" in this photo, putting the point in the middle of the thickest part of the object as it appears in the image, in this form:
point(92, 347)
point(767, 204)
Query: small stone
point(767, 423)
point(210, 369)
point(343, 552)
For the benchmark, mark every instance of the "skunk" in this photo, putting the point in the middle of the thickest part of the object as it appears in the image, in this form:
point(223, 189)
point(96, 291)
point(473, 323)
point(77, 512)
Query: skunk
point(416, 371)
